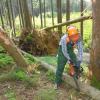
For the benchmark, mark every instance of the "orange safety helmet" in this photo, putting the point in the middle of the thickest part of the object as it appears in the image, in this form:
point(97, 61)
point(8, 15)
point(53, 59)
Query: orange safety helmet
point(72, 30)
point(73, 33)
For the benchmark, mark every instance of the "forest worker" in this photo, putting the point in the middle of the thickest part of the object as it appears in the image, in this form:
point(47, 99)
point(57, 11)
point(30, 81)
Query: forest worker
point(66, 52)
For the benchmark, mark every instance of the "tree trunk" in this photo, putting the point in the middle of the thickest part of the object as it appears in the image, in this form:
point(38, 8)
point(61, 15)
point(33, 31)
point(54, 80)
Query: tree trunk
point(40, 6)
point(59, 15)
point(81, 24)
point(52, 8)
point(8, 44)
point(95, 50)
point(67, 10)
point(26, 15)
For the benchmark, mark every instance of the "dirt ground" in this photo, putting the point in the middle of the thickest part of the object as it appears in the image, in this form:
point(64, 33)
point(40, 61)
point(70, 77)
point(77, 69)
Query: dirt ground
point(43, 91)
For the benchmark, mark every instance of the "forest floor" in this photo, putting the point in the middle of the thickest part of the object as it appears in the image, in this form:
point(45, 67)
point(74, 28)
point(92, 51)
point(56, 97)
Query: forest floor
point(42, 90)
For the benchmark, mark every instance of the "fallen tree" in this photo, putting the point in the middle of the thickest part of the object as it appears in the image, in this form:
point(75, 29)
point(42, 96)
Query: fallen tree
point(68, 22)
point(85, 88)
point(12, 49)
point(39, 42)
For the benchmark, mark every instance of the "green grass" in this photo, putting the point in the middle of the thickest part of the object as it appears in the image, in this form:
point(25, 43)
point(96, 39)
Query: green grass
point(95, 83)
point(49, 59)
point(5, 60)
point(10, 94)
point(46, 94)
point(50, 76)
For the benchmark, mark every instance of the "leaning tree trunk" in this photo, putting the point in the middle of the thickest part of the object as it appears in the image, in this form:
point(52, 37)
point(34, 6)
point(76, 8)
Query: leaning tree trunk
point(8, 44)
point(95, 50)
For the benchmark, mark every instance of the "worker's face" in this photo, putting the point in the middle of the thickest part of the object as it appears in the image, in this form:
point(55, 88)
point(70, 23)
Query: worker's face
point(74, 38)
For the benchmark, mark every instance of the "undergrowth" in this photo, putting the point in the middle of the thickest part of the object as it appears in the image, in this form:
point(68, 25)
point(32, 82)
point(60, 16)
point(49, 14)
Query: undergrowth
point(46, 94)
point(19, 75)
point(95, 83)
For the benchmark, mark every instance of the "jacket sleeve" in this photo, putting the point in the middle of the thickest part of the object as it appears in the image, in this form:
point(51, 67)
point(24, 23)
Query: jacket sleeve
point(80, 50)
point(64, 49)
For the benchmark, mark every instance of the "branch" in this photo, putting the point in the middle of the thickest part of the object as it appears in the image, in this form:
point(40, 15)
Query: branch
point(68, 22)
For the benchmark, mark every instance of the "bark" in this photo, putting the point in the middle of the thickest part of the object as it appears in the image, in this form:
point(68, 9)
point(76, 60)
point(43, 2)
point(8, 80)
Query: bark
point(52, 8)
point(95, 49)
point(40, 6)
point(67, 10)
point(69, 22)
point(26, 15)
point(33, 17)
point(81, 24)
point(8, 44)
point(44, 14)
point(9, 13)
point(59, 15)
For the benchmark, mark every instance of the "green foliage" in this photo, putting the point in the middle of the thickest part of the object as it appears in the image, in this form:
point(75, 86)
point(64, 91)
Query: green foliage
point(49, 59)
point(10, 94)
point(19, 75)
point(5, 60)
point(1, 49)
point(29, 38)
point(87, 42)
point(29, 58)
point(46, 94)
point(95, 82)
point(50, 75)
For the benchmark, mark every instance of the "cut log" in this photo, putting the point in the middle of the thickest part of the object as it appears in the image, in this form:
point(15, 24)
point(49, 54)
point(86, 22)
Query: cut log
point(11, 48)
point(68, 22)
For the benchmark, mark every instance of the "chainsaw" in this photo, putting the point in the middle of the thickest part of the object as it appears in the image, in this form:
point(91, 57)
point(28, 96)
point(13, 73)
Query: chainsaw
point(75, 73)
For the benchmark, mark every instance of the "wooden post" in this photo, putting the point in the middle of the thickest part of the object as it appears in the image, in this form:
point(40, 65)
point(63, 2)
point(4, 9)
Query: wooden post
point(81, 24)
point(59, 15)
point(41, 14)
